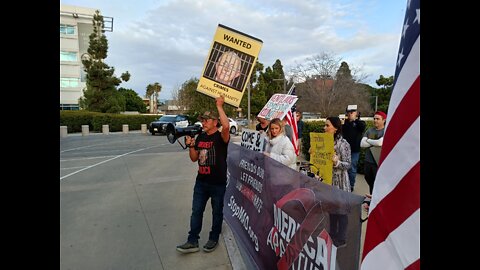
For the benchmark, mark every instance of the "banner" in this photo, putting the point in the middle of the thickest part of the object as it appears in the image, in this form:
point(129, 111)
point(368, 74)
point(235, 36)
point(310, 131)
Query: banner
point(229, 64)
point(277, 106)
point(321, 153)
point(282, 219)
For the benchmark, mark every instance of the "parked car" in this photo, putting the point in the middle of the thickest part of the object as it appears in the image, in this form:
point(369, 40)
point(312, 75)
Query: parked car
point(159, 126)
point(242, 122)
point(233, 125)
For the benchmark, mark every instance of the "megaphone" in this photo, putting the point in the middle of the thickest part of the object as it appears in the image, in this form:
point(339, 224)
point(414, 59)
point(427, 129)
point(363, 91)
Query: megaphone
point(173, 133)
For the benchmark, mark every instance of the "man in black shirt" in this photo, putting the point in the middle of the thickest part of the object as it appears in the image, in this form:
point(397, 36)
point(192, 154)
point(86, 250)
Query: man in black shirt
point(210, 150)
point(352, 130)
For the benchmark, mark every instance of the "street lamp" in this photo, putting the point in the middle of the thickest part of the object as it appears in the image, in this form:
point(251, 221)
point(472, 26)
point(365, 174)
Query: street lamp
point(376, 102)
point(284, 84)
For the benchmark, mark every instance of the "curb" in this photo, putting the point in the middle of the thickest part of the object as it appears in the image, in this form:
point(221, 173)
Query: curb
point(233, 251)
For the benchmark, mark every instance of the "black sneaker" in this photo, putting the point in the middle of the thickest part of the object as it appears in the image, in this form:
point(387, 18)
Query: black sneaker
point(210, 246)
point(188, 247)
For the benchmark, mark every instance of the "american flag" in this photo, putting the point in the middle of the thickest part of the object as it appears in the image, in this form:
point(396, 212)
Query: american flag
point(292, 120)
point(392, 239)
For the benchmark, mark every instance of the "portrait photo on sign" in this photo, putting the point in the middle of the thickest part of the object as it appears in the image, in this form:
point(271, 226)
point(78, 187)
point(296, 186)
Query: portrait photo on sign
point(228, 66)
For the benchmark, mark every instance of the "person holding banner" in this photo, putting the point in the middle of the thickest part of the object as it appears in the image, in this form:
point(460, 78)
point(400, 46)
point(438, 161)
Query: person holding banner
point(279, 147)
point(210, 150)
point(341, 163)
point(373, 137)
point(262, 125)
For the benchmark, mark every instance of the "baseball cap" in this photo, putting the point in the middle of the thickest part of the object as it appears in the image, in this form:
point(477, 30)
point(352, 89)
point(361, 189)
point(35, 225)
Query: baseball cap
point(209, 115)
point(351, 108)
point(382, 114)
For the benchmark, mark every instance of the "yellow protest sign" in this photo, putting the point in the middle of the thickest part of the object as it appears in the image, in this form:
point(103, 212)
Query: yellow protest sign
point(321, 153)
point(229, 64)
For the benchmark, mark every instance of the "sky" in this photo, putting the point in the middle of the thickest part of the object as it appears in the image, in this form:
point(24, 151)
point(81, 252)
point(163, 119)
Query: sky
point(167, 41)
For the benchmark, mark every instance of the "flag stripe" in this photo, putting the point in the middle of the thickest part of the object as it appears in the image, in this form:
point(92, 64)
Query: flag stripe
point(414, 266)
point(399, 250)
point(404, 155)
point(407, 192)
point(291, 118)
point(405, 114)
point(291, 121)
point(406, 77)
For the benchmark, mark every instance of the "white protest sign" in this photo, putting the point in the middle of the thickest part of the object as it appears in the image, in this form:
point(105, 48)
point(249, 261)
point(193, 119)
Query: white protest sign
point(254, 140)
point(277, 106)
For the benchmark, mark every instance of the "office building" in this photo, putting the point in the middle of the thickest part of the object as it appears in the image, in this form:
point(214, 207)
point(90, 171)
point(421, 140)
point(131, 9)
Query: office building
point(75, 29)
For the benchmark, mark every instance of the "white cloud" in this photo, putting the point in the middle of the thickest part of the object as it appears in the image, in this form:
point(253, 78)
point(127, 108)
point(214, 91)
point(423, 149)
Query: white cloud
point(168, 41)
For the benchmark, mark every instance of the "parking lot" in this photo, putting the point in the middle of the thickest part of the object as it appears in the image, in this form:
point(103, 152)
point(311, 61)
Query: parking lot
point(125, 203)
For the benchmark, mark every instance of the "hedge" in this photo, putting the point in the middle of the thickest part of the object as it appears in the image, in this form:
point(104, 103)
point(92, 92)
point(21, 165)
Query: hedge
point(75, 119)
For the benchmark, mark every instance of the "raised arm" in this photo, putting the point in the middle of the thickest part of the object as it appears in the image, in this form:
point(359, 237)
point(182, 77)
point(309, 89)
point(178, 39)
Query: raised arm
point(223, 119)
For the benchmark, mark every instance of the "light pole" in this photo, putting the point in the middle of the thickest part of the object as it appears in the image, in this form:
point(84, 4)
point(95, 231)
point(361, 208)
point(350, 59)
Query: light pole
point(376, 102)
point(284, 84)
point(248, 110)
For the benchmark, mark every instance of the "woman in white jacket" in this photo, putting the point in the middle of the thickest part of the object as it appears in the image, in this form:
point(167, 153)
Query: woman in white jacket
point(279, 147)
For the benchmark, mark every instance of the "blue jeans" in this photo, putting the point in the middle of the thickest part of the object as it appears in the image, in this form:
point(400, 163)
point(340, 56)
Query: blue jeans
point(352, 172)
point(201, 193)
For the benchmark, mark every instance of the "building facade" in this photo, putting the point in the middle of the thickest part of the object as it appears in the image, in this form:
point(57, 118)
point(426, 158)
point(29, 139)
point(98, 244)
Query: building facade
point(75, 29)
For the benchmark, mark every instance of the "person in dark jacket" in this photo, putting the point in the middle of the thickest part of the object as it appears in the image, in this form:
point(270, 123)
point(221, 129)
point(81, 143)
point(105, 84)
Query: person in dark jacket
point(353, 130)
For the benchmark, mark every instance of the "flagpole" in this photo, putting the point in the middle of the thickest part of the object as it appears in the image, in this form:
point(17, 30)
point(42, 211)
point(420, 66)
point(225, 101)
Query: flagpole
point(248, 110)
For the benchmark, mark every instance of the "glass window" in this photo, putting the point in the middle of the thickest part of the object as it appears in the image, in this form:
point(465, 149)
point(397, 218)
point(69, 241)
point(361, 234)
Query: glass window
point(68, 56)
point(69, 107)
point(67, 29)
point(69, 82)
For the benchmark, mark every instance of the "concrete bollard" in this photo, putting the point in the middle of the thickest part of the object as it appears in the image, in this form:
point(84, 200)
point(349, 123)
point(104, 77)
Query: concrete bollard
point(63, 131)
point(125, 129)
point(105, 129)
point(144, 128)
point(85, 130)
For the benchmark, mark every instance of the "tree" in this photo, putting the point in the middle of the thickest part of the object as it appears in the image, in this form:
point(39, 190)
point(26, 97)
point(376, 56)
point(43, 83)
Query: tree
point(133, 102)
point(257, 97)
point(153, 89)
point(384, 92)
point(264, 84)
point(326, 85)
point(196, 102)
point(350, 91)
point(100, 93)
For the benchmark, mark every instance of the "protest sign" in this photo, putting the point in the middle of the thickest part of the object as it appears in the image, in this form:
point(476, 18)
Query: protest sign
point(277, 106)
point(321, 153)
point(229, 64)
point(254, 140)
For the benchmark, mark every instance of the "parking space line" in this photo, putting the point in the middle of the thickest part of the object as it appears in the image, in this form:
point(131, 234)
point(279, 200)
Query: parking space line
point(86, 158)
point(82, 147)
point(101, 162)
